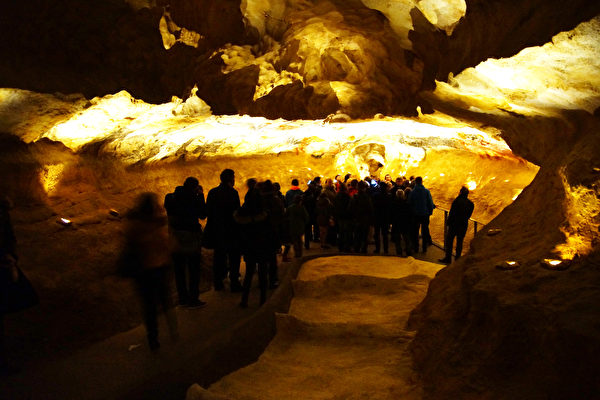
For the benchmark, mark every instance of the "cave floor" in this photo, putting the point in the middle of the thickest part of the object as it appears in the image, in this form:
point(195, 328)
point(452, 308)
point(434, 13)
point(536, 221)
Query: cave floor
point(123, 367)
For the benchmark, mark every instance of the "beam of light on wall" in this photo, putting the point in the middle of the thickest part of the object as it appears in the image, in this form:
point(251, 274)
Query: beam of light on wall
point(50, 177)
point(581, 227)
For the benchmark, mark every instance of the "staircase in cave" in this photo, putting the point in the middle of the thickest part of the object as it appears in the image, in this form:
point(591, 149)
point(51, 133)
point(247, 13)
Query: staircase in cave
point(343, 337)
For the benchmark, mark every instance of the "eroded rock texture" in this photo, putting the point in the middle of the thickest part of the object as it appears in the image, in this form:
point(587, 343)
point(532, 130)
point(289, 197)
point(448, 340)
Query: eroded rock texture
point(524, 333)
point(482, 332)
point(300, 59)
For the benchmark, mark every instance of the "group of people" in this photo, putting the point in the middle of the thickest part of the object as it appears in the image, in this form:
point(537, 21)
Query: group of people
point(333, 212)
point(343, 213)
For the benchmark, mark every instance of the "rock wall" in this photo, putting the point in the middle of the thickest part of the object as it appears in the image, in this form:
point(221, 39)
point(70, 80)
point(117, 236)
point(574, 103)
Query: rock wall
point(342, 55)
point(493, 29)
point(529, 332)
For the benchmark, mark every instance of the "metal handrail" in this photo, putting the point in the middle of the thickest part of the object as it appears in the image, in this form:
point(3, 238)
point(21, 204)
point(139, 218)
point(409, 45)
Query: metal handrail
point(446, 212)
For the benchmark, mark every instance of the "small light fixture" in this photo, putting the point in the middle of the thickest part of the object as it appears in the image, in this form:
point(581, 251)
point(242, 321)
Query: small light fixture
point(508, 265)
point(64, 222)
point(554, 264)
point(494, 231)
point(114, 212)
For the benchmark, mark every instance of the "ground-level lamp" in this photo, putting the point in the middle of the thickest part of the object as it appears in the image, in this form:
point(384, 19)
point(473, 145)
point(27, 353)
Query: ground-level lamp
point(508, 265)
point(555, 264)
point(64, 222)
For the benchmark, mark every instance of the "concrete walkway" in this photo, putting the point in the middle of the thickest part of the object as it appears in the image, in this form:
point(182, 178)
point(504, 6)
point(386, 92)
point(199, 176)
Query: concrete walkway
point(212, 344)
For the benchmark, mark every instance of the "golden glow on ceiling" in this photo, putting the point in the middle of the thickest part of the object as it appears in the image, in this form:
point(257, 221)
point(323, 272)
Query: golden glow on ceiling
point(135, 131)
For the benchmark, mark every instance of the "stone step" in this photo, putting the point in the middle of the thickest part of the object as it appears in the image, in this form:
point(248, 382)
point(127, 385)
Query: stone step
point(301, 368)
point(336, 285)
point(291, 326)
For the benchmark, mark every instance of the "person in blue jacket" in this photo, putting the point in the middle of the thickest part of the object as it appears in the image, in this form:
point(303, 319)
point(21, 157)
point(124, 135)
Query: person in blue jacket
point(421, 205)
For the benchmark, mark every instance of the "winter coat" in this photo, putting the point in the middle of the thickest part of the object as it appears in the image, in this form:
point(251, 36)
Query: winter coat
point(361, 209)
point(420, 201)
point(382, 205)
point(257, 235)
point(290, 194)
point(341, 206)
point(460, 212)
point(274, 208)
point(221, 230)
point(297, 218)
point(324, 210)
point(147, 245)
point(184, 208)
point(401, 216)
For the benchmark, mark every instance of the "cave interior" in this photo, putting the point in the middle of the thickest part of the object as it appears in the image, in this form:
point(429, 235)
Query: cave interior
point(100, 101)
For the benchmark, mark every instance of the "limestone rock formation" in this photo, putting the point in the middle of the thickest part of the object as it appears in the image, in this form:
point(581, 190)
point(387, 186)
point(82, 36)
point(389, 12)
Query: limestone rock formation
point(523, 333)
point(482, 332)
point(361, 57)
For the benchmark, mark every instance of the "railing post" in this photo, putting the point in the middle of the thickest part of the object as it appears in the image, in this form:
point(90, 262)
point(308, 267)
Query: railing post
point(445, 229)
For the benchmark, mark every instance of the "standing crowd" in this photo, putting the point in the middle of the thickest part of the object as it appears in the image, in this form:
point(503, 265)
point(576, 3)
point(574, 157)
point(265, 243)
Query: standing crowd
point(333, 212)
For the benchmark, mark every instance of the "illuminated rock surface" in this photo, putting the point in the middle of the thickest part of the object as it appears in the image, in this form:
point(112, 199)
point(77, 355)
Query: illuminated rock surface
point(481, 332)
point(343, 337)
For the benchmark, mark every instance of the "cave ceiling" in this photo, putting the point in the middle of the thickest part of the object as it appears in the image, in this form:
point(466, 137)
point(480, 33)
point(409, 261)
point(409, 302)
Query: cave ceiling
point(369, 86)
point(295, 59)
point(104, 100)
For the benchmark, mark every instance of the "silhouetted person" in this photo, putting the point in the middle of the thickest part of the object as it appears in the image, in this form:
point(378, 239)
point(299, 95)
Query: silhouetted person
point(330, 192)
point(222, 231)
point(184, 207)
point(16, 292)
point(296, 219)
point(343, 217)
point(310, 203)
point(256, 242)
point(273, 205)
point(401, 223)
point(278, 194)
point(292, 193)
point(353, 187)
point(422, 207)
point(457, 223)
point(382, 205)
point(146, 258)
point(361, 209)
point(324, 217)
point(8, 274)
